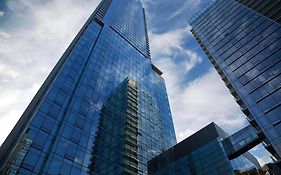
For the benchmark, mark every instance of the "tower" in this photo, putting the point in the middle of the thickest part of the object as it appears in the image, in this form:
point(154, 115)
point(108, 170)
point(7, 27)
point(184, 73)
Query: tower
point(104, 100)
point(243, 40)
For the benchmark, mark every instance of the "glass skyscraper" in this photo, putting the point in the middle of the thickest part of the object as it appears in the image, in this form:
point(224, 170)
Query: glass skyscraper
point(102, 110)
point(207, 152)
point(242, 39)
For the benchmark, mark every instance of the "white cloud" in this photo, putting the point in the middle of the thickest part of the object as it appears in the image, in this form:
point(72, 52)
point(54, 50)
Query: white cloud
point(2, 13)
point(200, 102)
point(262, 155)
point(162, 44)
point(4, 35)
point(30, 50)
point(203, 101)
point(167, 47)
point(185, 8)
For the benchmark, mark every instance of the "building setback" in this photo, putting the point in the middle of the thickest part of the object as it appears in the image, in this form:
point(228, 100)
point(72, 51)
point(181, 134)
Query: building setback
point(242, 39)
point(206, 152)
point(104, 107)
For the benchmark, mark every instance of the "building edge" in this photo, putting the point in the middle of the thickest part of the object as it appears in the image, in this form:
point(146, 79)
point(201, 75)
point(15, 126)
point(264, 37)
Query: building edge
point(17, 132)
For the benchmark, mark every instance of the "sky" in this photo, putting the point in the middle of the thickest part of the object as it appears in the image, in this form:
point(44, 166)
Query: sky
point(35, 33)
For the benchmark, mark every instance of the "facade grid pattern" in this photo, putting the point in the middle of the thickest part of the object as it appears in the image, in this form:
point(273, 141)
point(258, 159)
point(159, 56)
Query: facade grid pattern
point(245, 48)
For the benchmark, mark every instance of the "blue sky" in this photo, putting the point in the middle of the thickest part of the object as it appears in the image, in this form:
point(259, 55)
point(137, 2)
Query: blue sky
point(35, 33)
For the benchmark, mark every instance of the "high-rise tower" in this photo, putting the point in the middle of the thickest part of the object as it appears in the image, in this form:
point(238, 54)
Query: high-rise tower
point(242, 39)
point(102, 110)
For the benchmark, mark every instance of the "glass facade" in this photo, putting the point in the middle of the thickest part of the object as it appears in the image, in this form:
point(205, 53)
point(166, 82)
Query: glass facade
point(237, 142)
point(244, 163)
point(245, 48)
point(270, 9)
point(208, 159)
point(104, 107)
point(202, 153)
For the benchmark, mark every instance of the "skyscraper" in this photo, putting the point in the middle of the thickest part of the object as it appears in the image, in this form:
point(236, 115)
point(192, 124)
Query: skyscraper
point(102, 110)
point(208, 151)
point(242, 39)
